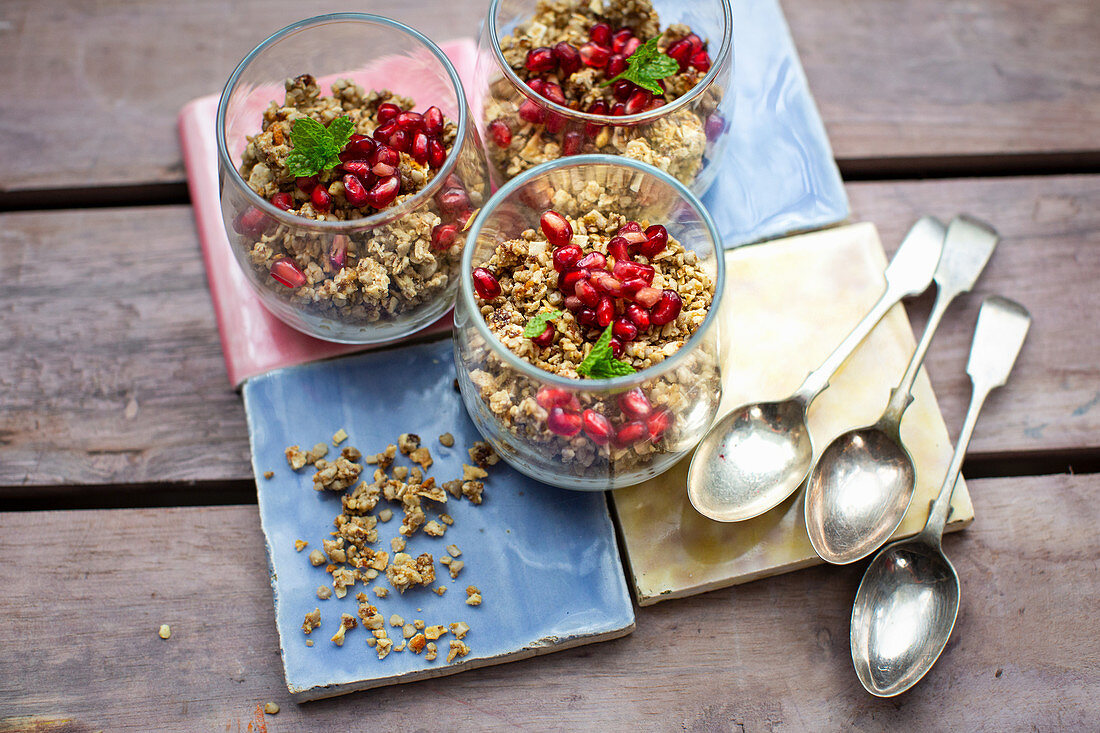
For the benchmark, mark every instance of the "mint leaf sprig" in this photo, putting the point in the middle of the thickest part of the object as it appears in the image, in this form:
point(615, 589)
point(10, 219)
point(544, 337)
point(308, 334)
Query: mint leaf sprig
point(647, 66)
point(537, 324)
point(600, 363)
point(317, 148)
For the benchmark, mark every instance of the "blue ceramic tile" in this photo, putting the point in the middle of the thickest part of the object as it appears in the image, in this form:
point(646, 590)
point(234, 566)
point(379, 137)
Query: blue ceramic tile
point(545, 559)
point(779, 176)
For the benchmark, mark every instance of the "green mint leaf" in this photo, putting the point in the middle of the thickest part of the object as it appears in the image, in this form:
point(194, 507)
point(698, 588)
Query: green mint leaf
point(600, 363)
point(646, 66)
point(300, 165)
point(537, 324)
point(340, 130)
point(317, 148)
point(307, 133)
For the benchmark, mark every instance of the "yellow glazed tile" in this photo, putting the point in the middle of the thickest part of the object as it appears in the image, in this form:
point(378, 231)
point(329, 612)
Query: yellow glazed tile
point(787, 305)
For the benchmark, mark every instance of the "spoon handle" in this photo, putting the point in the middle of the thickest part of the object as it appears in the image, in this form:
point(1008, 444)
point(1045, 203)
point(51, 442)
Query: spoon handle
point(966, 250)
point(1002, 327)
point(909, 273)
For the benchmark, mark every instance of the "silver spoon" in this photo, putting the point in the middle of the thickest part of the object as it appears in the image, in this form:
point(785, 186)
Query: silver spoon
point(906, 605)
point(860, 488)
point(759, 454)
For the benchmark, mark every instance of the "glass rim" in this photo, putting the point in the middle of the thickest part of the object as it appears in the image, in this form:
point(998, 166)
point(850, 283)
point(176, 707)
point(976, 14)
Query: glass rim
point(613, 383)
point(722, 57)
point(388, 214)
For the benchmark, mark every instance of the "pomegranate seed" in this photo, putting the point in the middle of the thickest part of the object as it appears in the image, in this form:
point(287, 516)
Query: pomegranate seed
point(593, 260)
point(656, 240)
point(616, 64)
point(616, 347)
point(531, 111)
point(556, 227)
point(629, 434)
point(682, 51)
point(485, 284)
point(252, 223)
point(587, 317)
point(630, 226)
point(618, 110)
point(437, 154)
point(283, 200)
point(655, 104)
point(622, 89)
point(667, 309)
point(550, 397)
point(401, 141)
point(635, 404)
point(320, 199)
point(383, 132)
point(638, 101)
point(618, 248)
point(599, 107)
point(386, 155)
point(338, 252)
point(540, 60)
point(545, 338)
point(306, 184)
point(572, 142)
point(567, 283)
point(624, 329)
point(701, 61)
point(360, 146)
point(536, 85)
point(386, 112)
point(607, 284)
point(715, 126)
point(638, 315)
point(354, 191)
point(573, 304)
point(631, 46)
point(565, 424)
point(382, 170)
point(501, 133)
point(554, 123)
point(419, 148)
point(695, 41)
point(553, 92)
point(597, 427)
point(632, 238)
point(627, 270)
point(595, 56)
point(657, 423)
point(632, 287)
point(384, 192)
point(357, 167)
point(600, 34)
point(287, 272)
point(566, 257)
point(409, 121)
point(433, 120)
point(647, 297)
point(605, 312)
point(568, 58)
point(453, 200)
point(618, 41)
point(587, 293)
point(443, 236)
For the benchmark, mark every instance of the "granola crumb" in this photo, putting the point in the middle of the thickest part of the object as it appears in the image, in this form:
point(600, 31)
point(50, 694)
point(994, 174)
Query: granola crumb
point(309, 642)
point(269, 474)
point(385, 515)
point(422, 456)
point(453, 550)
point(482, 454)
point(164, 632)
point(347, 622)
point(400, 647)
point(460, 629)
point(417, 643)
point(295, 457)
point(316, 557)
point(397, 544)
point(447, 440)
point(434, 632)
point(396, 620)
point(406, 571)
point(418, 623)
point(371, 642)
point(311, 621)
point(408, 631)
point(458, 649)
point(473, 596)
point(384, 646)
point(455, 568)
point(381, 591)
point(340, 436)
point(434, 529)
point(446, 560)
point(447, 519)
point(439, 590)
point(432, 651)
point(300, 545)
point(271, 708)
point(408, 442)
point(324, 592)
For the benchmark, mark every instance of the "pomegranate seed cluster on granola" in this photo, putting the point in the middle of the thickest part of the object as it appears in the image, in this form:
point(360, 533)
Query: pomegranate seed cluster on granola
point(574, 53)
point(389, 153)
point(351, 557)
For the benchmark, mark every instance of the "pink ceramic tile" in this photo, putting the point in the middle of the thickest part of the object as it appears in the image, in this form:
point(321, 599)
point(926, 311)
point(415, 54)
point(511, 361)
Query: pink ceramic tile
point(253, 340)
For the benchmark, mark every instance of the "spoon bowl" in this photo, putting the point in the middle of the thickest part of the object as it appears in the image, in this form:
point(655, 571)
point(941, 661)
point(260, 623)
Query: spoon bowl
point(760, 460)
point(903, 615)
point(864, 478)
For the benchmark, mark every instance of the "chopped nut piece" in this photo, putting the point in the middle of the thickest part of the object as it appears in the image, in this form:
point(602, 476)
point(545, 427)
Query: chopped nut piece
point(472, 490)
point(347, 621)
point(385, 515)
point(454, 488)
point(269, 474)
point(458, 649)
point(319, 451)
point(472, 473)
point(311, 621)
point(300, 545)
point(453, 550)
point(473, 596)
point(432, 651)
point(397, 544)
point(335, 550)
point(446, 560)
point(317, 558)
point(408, 442)
point(434, 529)
point(295, 457)
point(446, 519)
point(340, 436)
point(164, 631)
point(415, 475)
point(455, 567)
point(384, 646)
point(460, 629)
point(483, 454)
point(417, 643)
point(381, 591)
point(408, 630)
point(396, 620)
point(401, 473)
point(342, 579)
point(371, 641)
point(434, 632)
point(423, 456)
point(351, 453)
point(370, 574)
point(439, 590)
point(271, 708)
point(371, 617)
point(324, 592)
point(447, 440)
point(309, 642)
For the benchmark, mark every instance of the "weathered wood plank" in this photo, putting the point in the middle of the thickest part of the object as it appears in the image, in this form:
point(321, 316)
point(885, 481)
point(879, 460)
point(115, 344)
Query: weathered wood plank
point(79, 639)
point(93, 91)
point(111, 372)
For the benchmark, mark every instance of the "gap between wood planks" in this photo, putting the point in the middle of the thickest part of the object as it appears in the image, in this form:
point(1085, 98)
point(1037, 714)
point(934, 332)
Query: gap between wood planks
point(851, 169)
point(238, 491)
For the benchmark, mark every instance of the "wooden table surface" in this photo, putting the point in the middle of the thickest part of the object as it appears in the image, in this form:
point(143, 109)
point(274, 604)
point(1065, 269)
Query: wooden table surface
point(126, 497)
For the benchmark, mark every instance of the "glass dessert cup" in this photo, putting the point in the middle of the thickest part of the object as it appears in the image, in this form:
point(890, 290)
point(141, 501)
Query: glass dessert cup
point(505, 395)
point(685, 138)
point(363, 280)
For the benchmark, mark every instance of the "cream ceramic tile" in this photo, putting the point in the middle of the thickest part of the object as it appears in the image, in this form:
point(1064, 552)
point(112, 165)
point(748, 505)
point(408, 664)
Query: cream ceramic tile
point(787, 304)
